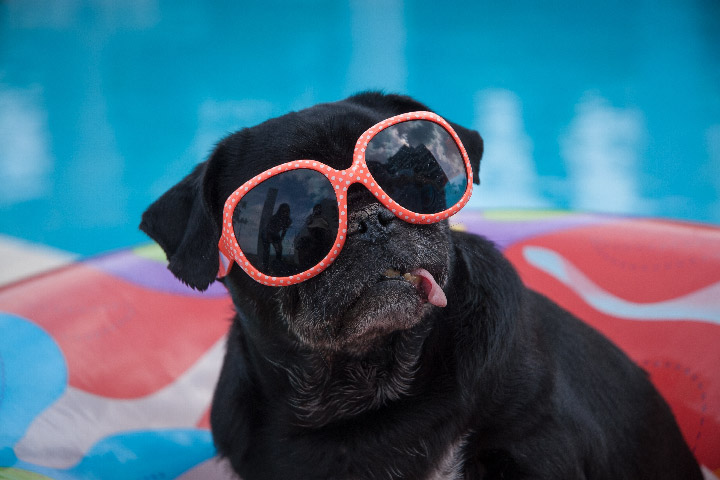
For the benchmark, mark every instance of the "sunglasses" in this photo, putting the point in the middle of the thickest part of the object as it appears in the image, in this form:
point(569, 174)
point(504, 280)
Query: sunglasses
point(289, 223)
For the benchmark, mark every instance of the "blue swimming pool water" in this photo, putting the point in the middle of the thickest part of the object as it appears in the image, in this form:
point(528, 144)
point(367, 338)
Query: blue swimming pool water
point(607, 106)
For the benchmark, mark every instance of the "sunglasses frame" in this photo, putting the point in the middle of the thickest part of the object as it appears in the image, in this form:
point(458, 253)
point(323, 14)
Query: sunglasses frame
point(230, 251)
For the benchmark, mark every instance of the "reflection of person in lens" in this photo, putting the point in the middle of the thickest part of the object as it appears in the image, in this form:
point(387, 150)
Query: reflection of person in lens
point(314, 242)
point(274, 233)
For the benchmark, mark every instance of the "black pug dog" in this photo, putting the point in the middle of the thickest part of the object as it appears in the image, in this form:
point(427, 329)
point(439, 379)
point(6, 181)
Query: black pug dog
point(370, 371)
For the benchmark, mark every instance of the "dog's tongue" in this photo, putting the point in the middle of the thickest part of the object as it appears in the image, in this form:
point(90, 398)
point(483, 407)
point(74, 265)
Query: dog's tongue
point(432, 290)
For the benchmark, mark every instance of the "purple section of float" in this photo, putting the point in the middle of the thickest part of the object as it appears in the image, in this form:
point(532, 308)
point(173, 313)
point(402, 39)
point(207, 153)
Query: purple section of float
point(505, 233)
point(150, 274)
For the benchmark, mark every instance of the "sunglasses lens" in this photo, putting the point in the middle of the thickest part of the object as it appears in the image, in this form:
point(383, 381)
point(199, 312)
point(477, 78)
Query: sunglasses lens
point(288, 223)
point(419, 165)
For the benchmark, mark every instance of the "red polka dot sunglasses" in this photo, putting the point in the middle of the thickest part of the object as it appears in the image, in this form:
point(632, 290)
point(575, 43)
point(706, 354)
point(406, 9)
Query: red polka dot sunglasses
point(289, 223)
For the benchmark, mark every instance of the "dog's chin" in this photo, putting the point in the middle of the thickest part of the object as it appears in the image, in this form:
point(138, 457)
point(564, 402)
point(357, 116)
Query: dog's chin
point(384, 308)
point(368, 323)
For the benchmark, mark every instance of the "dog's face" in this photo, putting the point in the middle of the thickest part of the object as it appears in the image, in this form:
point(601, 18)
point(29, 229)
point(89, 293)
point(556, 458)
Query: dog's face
point(369, 291)
point(389, 274)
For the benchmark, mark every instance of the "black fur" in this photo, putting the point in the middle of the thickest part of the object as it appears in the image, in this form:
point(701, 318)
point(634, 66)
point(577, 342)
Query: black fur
point(351, 376)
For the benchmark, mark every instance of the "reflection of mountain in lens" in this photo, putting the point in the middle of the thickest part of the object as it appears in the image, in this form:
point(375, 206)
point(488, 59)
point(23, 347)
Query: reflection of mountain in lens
point(413, 178)
point(419, 160)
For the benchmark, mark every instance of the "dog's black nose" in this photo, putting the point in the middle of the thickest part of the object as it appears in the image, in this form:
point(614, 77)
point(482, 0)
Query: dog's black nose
point(371, 223)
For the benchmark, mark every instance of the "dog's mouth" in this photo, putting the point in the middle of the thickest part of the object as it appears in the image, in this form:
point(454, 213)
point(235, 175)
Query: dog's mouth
point(372, 291)
point(397, 300)
point(423, 281)
point(355, 313)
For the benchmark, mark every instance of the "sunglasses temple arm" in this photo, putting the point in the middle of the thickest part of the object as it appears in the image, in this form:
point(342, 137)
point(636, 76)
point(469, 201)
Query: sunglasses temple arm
point(225, 264)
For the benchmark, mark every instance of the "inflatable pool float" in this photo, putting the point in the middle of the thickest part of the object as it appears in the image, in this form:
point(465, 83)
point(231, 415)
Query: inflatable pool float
point(107, 366)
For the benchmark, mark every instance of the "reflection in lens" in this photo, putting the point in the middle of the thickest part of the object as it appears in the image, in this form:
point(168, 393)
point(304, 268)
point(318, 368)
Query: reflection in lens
point(288, 223)
point(418, 164)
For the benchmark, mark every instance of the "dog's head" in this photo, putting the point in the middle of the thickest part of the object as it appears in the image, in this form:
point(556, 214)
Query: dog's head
point(365, 294)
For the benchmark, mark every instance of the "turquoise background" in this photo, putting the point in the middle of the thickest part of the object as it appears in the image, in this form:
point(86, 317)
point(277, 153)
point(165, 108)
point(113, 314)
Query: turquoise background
point(609, 106)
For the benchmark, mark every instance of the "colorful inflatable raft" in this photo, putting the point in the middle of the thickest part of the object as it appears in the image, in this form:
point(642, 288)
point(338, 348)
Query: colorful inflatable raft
point(107, 366)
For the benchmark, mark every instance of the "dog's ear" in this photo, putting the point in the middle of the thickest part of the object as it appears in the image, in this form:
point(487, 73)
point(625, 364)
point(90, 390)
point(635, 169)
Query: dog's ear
point(473, 143)
point(180, 221)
